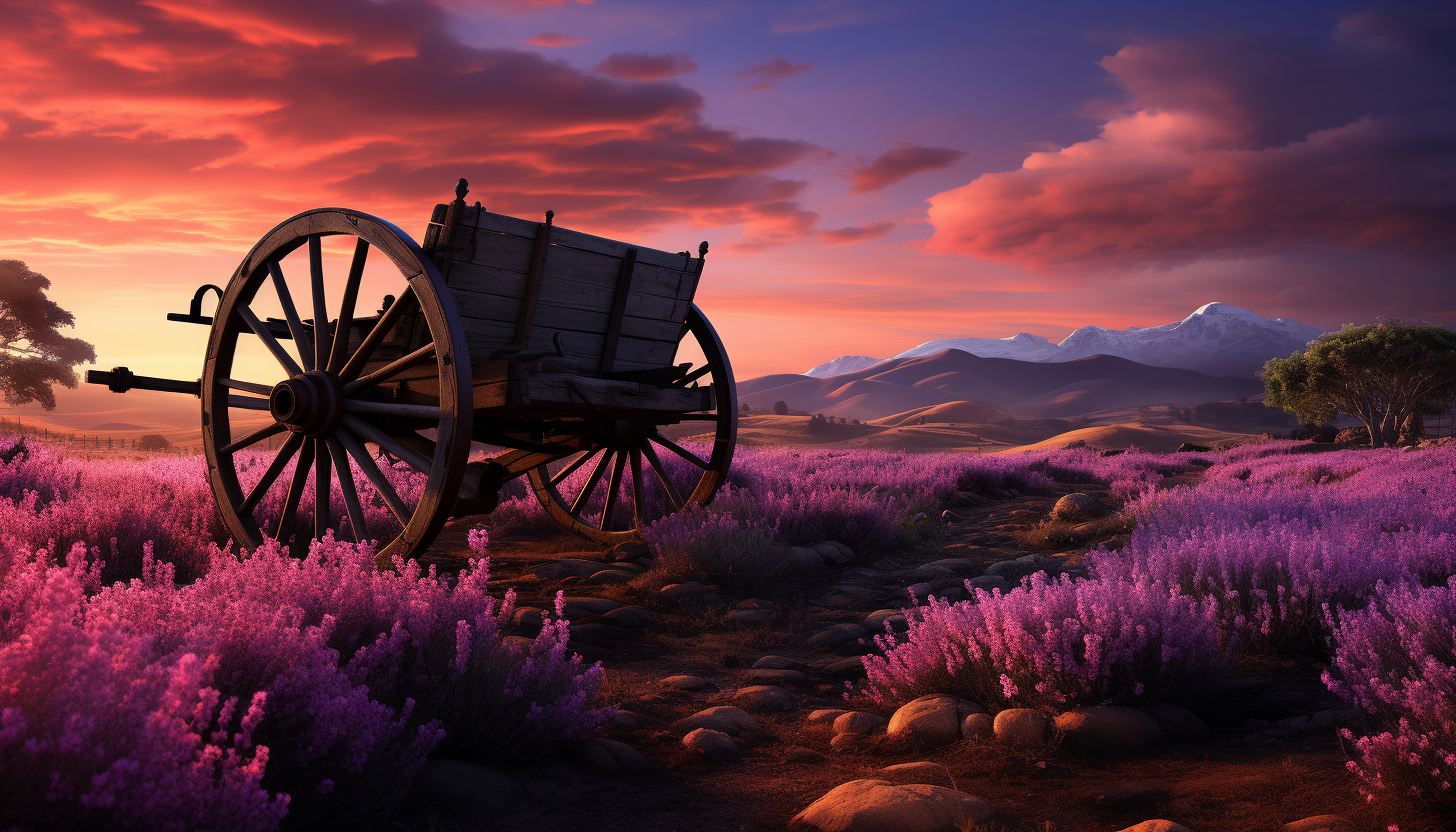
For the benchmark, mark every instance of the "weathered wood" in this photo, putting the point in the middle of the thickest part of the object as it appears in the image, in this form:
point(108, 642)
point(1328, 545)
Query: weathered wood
point(534, 277)
point(513, 254)
point(499, 287)
point(487, 221)
point(619, 310)
point(485, 337)
point(595, 392)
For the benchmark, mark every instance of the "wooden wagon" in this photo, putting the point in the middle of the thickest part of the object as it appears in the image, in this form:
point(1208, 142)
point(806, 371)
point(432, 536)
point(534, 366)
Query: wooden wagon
point(567, 352)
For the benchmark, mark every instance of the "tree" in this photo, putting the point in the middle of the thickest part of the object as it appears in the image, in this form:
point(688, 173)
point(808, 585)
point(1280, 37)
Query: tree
point(1380, 373)
point(33, 356)
point(153, 442)
point(781, 408)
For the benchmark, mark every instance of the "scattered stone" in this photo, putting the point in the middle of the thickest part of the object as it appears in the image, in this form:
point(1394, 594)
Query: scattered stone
point(1109, 729)
point(580, 607)
point(467, 789)
point(851, 667)
point(991, 583)
point(872, 805)
point(520, 644)
point(978, 727)
point(845, 596)
point(1014, 570)
point(1321, 823)
point(859, 722)
point(610, 755)
point(724, 719)
point(803, 559)
point(929, 774)
point(782, 678)
point(958, 566)
point(833, 552)
point(1076, 506)
point(625, 720)
point(691, 592)
point(611, 577)
point(632, 616)
point(836, 636)
point(528, 618)
point(826, 715)
point(931, 721)
point(567, 568)
point(630, 550)
point(929, 572)
point(779, 663)
point(715, 745)
point(949, 516)
point(875, 622)
point(1179, 723)
point(697, 684)
point(750, 618)
point(765, 698)
point(1020, 726)
point(920, 592)
point(1157, 826)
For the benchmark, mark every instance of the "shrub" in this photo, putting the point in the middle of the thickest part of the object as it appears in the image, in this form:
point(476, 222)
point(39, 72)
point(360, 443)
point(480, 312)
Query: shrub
point(1052, 646)
point(718, 547)
point(1396, 659)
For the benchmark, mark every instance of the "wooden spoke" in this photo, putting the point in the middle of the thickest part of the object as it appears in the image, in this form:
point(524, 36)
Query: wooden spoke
point(320, 309)
point(280, 461)
point(613, 484)
point(391, 369)
point(672, 493)
point(295, 326)
point(260, 329)
point(363, 429)
point(639, 509)
point(345, 325)
point(579, 504)
point(678, 449)
point(247, 403)
point(423, 411)
point(571, 469)
point(376, 335)
point(693, 376)
point(295, 494)
point(346, 485)
point(375, 476)
point(321, 501)
point(256, 436)
point(248, 386)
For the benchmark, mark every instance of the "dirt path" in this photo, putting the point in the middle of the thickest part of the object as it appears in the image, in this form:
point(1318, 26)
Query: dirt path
point(1253, 774)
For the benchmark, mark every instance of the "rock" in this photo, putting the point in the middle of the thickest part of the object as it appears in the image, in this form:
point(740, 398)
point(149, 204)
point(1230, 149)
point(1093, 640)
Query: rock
point(1327, 719)
point(1157, 826)
point(782, 678)
point(630, 550)
point(1109, 729)
point(879, 805)
point(632, 616)
point(859, 722)
point(724, 719)
point(991, 583)
point(851, 667)
point(929, 572)
point(625, 720)
point(715, 745)
point(1294, 725)
point(919, 593)
point(610, 577)
point(567, 568)
point(949, 516)
point(1075, 506)
point(691, 592)
point(579, 607)
point(1321, 823)
point(930, 774)
point(779, 663)
point(466, 789)
point(749, 618)
point(528, 618)
point(845, 596)
point(958, 566)
point(697, 684)
point(610, 755)
point(875, 622)
point(825, 715)
point(931, 721)
point(1193, 448)
point(1179, 723)
point(833, 552)
point(967, 499)
point(765, 698)
point(978, 727)
point(1020, 726)
point(836, 636)
point(803, 559)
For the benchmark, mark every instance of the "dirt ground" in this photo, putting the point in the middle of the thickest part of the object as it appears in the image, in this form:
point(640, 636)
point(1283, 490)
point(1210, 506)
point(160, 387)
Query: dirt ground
point(1244, 778)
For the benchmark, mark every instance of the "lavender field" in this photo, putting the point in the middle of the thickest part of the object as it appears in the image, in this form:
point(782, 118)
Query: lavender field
point(151, 679)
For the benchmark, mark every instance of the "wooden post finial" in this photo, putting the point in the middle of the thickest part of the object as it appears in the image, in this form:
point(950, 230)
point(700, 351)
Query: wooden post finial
point(461, 189)
point(703, 250)
point(550, 215)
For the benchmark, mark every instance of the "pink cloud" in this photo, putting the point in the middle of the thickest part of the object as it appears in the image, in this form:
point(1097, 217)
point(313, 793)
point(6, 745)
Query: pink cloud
point(898, 164)
point(551, 40)
point(768, 73)
point(1231, 148)
point(644, 66)
point(856, 233)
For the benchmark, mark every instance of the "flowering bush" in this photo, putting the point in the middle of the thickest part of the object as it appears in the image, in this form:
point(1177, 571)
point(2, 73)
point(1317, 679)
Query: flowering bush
point(1396, 659)
point(1055, 645)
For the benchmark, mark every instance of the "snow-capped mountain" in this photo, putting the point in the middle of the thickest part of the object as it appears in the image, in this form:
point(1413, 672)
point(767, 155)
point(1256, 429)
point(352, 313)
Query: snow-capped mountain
point(1217, 339)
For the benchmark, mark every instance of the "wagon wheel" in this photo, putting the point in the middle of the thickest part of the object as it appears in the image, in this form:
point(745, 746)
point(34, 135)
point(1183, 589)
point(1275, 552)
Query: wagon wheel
point(630, 446)
point(326, 400)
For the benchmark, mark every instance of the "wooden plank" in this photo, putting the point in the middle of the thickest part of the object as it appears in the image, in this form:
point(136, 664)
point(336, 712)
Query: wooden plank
point(473, 279)
point(486, 337)
point(594, 392)
point(487, 221)
point(551, 316)
point(534, 278)
point(619, 310)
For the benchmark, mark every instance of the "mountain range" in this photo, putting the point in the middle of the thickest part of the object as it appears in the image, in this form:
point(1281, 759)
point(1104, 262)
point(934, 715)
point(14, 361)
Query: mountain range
point(1217, 340)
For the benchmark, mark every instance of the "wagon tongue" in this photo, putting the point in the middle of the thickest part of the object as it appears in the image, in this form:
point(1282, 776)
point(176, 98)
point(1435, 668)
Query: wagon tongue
point(120, 380)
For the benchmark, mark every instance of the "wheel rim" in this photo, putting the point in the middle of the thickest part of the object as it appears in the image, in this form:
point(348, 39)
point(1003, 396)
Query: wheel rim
point(583, 492)
point(325, 398)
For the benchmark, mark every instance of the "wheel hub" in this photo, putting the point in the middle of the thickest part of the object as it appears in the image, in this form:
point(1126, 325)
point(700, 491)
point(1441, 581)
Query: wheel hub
point(311, 404)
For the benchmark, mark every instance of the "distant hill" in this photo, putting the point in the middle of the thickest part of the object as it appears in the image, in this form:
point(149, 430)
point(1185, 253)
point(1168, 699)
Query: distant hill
point(1040, 390)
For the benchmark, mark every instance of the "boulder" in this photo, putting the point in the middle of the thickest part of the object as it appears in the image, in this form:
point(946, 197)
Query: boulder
point(782, 678)
point(837, 635)
point(610, 755)
point(632, 616)
point(608, 577)
point(1020, 726)
point(825, 715)
point(749, 618)
point(978, 727)
point(630, 550)
point(926, 773)
point(859, 722)
point(1111, 729)
point(724, 719)
point(779, 663)
point(567, 568)
point(931, 721)
point(879, 805)
point(1075, 507)
point(715, 745)
point(803, 559)
point(691, 592)
point(833, 552)
point(1157, 826)
point(580, 607)
point(625, 720)
point(1320, 823)
point(765, 698)
point(1179, 723)
point(875, 622)
point(849, 667)
point(528, 618)
point(992, 583)
point(696, 684)
point(845, 596)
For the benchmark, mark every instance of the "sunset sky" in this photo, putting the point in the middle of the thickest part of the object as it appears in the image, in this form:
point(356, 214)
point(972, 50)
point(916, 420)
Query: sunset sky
point(871, 175)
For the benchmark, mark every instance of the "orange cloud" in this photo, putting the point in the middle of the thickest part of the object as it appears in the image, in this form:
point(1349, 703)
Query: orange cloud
point(856, 233)
point(898, 164)
point(643, 66)
point(554, 39)
point(768, 73)
point(1232, 147)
